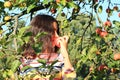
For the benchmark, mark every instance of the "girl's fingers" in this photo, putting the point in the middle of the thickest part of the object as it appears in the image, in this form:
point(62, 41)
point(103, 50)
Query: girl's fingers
point(60, 39)
point(63, 41)
point(66, 38)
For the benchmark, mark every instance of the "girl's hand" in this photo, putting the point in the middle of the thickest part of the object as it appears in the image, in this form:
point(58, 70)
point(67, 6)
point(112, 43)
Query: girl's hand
point(63, 41)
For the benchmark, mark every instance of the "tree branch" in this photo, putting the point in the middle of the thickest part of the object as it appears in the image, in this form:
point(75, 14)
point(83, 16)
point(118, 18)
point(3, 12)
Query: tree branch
point(14, 32)
point(86, 30)
point(25, 12)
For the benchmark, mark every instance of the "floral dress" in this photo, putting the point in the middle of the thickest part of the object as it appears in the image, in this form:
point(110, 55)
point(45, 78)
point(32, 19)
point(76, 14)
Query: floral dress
point(39, 69)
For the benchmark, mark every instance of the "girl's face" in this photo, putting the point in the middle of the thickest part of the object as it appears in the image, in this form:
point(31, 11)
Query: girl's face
point(55, 29)
point(55, 37)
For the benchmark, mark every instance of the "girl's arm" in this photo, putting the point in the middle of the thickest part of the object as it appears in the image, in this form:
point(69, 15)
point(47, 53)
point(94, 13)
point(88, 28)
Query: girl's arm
point(68, 69)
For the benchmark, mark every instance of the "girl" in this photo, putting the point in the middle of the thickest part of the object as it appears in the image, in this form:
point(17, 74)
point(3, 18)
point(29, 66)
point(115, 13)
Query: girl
point(51, 43)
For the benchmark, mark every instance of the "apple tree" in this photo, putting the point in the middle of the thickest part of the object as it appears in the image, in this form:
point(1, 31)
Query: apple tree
point(94, 32)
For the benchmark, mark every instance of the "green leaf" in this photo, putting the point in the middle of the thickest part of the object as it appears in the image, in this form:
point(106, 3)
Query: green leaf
point(30, 8)
point(37, 47)
point(109, 37)
point(78, 41)
point(26, 39)
point(27, 34)
point(42, 61)
point(4, 74)
point(10, 73)
point(26, 67)
point(84, 51)
point(117, 23)
point(54, 62)
point(92, 49)
point(3, 40)
point(111, 12)
point(22, 31)
point(60, 8)
point(72, 5)
point(1, 4)
point(15, 65)
point(100, 9)
point(45, 1)
point(63, 2)
point(21, 1)
point(39, 35)
point(9, 59)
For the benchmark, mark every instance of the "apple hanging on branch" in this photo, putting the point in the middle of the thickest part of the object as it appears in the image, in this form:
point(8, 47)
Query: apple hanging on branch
point(119, 15)
point(101, 33)
point(7, 18)
point(116, 56)
point(102, 67)
point(107, 23)
point(108, 10)
point(115, 8)
point(7, 4)
point(53, 10)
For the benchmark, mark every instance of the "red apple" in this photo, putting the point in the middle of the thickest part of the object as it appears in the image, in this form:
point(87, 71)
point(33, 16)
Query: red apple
point(108, 10)
point(116, 56)
point(115, 8)
point(98, 30)
point(108, 23)
point(57, 1)
point(53, 11)
point(118, 14)
point(103, 34)
point(102, 67)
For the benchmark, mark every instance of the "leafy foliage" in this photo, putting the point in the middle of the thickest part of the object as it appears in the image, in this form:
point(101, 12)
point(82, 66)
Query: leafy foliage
point(89, 51)
point(92, 47)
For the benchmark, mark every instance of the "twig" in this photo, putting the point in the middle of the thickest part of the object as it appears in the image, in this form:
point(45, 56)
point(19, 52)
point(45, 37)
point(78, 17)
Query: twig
point(99, 20)
point(14, 32)
point(2, 23)
point(87, 77)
